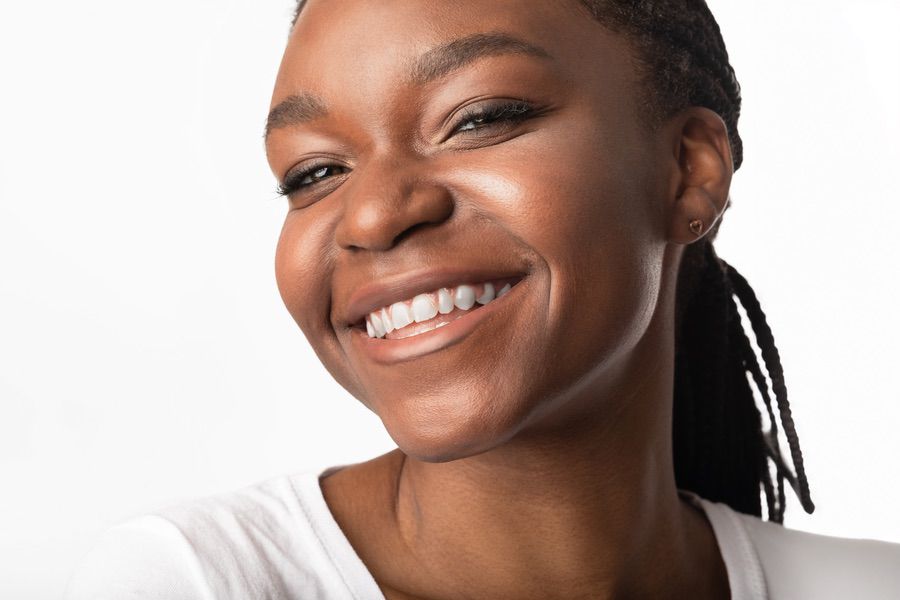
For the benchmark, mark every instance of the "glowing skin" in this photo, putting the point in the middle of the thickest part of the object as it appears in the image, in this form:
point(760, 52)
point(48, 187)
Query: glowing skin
point(534, 440)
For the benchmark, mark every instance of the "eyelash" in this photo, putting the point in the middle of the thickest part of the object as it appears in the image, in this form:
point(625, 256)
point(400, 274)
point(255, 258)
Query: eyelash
point(507, 112)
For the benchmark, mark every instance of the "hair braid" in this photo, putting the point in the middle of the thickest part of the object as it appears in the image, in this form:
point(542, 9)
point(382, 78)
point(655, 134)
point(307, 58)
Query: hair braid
point(770, 355)
point(774, 503)
point(721, 450)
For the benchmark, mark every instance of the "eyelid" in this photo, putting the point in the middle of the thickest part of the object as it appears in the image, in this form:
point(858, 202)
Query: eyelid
point(291, 181)
point(498, 110)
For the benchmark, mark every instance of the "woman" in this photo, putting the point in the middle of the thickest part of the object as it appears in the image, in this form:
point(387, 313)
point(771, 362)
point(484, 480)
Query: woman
point(500, 241)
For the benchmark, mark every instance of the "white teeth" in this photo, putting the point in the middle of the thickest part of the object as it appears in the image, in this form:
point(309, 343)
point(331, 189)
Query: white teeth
point(387, 321)
point(464, 298)
point(377, 325)
point(423, 308)
point(445, 301)
point(488, 294)
point(400, 315)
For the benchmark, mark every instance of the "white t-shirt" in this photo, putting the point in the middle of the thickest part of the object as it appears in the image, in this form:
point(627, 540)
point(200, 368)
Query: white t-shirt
point(278, 540)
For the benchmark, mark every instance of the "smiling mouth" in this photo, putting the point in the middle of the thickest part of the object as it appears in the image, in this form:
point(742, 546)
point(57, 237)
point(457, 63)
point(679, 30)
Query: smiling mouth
point(429, 311)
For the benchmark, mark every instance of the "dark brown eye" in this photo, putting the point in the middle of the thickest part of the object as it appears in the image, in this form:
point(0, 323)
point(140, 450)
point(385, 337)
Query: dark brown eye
point(486, 115)
point(472, 124)
point(305, 178)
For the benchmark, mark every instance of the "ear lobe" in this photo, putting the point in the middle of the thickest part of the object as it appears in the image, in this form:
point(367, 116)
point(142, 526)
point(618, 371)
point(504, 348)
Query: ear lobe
point(705, 167)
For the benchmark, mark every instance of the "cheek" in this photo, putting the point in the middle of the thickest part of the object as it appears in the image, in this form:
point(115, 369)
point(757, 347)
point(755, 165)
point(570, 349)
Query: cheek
point(299, 271)
point(606, 261)
point(581, 202)
point(606, 252)
point(303, 271)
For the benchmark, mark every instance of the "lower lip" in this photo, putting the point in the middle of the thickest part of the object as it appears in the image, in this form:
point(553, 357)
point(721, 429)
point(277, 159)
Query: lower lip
point(386, 352)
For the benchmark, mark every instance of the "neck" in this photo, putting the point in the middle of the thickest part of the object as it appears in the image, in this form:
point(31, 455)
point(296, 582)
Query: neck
point(583, 506)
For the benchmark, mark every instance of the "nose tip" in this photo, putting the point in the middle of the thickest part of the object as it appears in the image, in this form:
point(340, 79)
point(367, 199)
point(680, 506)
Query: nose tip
point(379, 221)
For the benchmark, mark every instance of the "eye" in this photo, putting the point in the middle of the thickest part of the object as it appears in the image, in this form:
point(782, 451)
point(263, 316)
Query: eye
point(498, 114)
point(304, 178)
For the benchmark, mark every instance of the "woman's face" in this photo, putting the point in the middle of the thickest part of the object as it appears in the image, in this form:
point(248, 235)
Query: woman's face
point(458, 143)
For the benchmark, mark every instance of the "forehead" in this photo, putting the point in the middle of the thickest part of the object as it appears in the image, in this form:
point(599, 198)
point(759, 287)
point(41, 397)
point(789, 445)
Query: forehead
point(371, 44)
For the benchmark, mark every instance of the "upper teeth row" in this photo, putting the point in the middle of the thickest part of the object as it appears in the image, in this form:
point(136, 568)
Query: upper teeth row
point(426, 306)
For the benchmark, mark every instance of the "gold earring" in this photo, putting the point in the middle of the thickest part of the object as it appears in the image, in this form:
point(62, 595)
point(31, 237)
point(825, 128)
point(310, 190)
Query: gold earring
point(696, 226)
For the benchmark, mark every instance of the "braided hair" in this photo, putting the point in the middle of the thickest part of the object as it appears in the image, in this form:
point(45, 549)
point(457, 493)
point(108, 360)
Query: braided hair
point(721, 449)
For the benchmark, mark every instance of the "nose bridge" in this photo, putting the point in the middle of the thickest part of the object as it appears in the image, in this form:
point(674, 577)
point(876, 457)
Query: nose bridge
point(390, 195)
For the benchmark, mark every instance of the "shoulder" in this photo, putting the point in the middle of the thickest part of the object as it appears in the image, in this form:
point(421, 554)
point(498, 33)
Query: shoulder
point(145, 554)
point(257, 541)
point(799, 564)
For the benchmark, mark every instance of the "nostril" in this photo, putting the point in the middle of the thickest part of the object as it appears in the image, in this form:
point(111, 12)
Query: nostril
point(382, 220)
point(409, 231)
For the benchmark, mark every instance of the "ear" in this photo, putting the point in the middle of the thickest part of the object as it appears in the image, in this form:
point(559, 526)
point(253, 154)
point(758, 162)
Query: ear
point(701, 175)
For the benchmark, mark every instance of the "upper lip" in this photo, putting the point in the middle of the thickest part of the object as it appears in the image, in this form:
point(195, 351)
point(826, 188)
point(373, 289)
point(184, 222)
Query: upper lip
point(373, 295)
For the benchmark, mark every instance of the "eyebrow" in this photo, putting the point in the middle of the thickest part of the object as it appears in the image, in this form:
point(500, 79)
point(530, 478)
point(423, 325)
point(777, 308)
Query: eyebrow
point(455, 54)
point(300, 108)
point(433, 64)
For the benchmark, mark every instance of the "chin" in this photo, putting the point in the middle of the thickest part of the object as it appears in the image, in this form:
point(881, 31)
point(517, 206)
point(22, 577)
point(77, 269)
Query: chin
point(450, 431)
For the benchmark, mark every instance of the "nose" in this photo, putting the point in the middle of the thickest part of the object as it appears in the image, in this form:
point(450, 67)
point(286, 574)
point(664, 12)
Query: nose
point(386, 203)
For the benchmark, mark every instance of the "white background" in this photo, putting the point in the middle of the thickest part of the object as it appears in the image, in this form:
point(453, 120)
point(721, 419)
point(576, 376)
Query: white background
point(145, 356)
